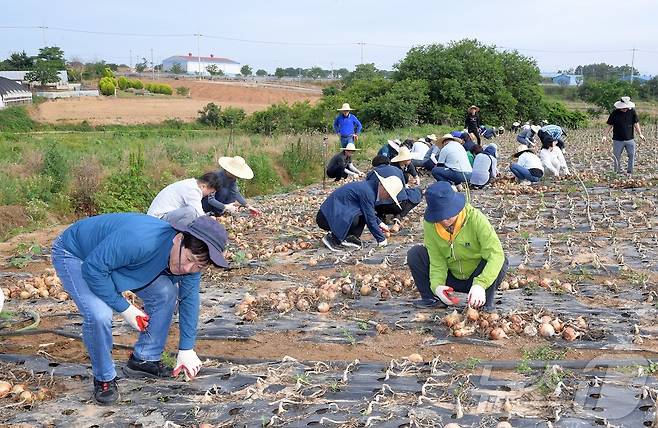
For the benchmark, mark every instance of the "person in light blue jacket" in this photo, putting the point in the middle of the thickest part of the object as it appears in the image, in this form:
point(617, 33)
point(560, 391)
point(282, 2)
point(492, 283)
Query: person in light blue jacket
point(527, 135)
point(100, 257)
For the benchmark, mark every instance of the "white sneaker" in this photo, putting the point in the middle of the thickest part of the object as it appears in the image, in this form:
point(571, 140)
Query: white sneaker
point(525, 183)
point(459, 188)
point(454, 188)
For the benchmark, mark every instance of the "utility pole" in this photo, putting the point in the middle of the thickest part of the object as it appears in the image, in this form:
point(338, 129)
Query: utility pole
point(43, 34)
point(362, 44)
point(152, 66)
point(131, 59)
point(198, 53)
point(632, 64)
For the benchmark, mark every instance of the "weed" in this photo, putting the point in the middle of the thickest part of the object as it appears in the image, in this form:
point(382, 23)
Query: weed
point(240, 257)
point(544, 353)
point(470, 363)
point(349, 336)
point(168, 359)
point(524, 367)
point(302, 379)
point(24, 254)
point(363, 325)
point(551, 378)
point(336, 386)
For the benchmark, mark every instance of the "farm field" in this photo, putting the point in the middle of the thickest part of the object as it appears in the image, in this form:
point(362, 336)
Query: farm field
point(582, 256)
point(139, 109)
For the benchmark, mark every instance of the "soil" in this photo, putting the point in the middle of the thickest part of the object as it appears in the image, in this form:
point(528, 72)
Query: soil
point(12, 217)
point(155, 109)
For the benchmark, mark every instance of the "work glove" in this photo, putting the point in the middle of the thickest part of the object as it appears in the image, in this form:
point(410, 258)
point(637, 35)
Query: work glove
point(383, 226)
point(477, 297)
point(231, 208)
point(382, 243)
point(254, 211)
point(136, 318)
point(2, 299)
point(187, 361)
point(445, 294)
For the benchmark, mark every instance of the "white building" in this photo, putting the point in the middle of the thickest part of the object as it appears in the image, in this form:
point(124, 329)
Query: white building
point(19, 77)
point(13, 93)
point(192, 64)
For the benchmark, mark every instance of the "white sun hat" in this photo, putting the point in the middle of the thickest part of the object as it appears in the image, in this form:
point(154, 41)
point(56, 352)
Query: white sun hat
point(395, 144)
point(350, 146)
point(625, 102)
point(432, 137)
point(345, 107)
point(535, 128)
point(403, 155)
point(236, 166)
point(393, 186)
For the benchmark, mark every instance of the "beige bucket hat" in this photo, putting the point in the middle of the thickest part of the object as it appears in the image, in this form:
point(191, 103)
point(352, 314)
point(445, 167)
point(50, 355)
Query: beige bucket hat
point(521, 148)
point(345, 107)
point(393, 186)
point(432, 137)
point(450, 137)
point(350, 146)
point(237, 166)
point(403, 155)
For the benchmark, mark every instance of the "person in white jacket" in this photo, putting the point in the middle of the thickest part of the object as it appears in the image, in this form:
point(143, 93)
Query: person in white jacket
point(528, 169)
point(180, 202)
point(553, 159)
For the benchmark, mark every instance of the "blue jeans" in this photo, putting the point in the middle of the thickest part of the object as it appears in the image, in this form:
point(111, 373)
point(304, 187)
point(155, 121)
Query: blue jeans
point(522, 173)
point(445, 174)
point(345, 140)
point(159, 299)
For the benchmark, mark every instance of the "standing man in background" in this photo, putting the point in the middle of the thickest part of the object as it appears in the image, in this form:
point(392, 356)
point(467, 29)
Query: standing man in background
point(623, 121)
point(347, 126)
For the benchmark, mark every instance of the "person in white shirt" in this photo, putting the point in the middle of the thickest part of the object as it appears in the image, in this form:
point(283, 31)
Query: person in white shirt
point(453, 165)
point(552, 158)
point(180, 202)
point(485, 167)
point(418, 151)
point(528, 169)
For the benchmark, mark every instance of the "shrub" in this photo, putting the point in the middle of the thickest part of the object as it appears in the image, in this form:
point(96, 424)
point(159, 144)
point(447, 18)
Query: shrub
point(123, 83)
point(303, 161)
point(106, 86)
point(556, 112)
point(265, 178)
point(87, 178)
point(107, 72)
point(212, 115)
point(55, 167)
point(126, 191)
point(232, 117)
point(136, 84)
point(182, 90)
point(165, 89)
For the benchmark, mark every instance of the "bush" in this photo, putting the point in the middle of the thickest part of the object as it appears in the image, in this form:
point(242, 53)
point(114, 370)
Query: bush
point(284, 118)
point(107, 72)
point(604, 94)
point(303, 161)
point(106, 86)
point(126, 191)
point(212, 115)
point(87, 178)
point(136, 84)
point(157, 88)
point(399, 107)
point(123, 83)
point(555, 112)
point(55, 167)
point(265, 178)
point(182, 90)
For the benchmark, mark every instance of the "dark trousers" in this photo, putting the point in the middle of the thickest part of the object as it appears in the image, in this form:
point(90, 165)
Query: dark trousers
point(419, 264)
point(477, 135)
point(337, 172)
point(397, 212)
point(356, 229)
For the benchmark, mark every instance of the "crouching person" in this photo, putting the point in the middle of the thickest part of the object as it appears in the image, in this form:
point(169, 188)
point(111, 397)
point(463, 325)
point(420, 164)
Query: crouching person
point(346, 212)
point(340, 166)
point(100, 257)
point(408, 198)
point(461, 252)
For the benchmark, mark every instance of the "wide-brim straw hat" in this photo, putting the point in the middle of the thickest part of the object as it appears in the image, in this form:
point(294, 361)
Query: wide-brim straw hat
point(393, 186)
point(625, 102)
point(432, 137)
point(516, 124)
point(236, 166)
point(394, 144)
point(442, 202)
point(522, 148)
point(474, 107)
point(450, 137)
point(535, 128)
point(403, 155)
point(345, 107)
point(350, 147)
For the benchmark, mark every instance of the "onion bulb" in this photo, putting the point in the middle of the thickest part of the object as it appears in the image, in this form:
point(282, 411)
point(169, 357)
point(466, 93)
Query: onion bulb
point(365, 290)
point(530, 330)
point(497, 334)
point(472, 314)
point(302, 305)
point(5, 388)
point(415, 358)
point(557, 325)
point(546, 330)
point(451, 319)
point(18, 388)
point(26, 396)
point(503, 286)
point(581, 323)
point(569, 334)
point(323, 307)
point(493, 317)
point(504, 424)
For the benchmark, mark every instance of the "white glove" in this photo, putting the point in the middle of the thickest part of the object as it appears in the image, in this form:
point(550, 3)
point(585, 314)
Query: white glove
point(231, 208)
point(2, 299)
point(187, 361)
point(418, 181)
point(136, 318)
point(444, 293)
point(384, 227)
point(383, 243)
point(477, 297)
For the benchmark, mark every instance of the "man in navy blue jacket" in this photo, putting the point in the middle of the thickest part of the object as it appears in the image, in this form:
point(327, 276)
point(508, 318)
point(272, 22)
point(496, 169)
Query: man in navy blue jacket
point(346, 126)
point(346, 212)
point(98, 258)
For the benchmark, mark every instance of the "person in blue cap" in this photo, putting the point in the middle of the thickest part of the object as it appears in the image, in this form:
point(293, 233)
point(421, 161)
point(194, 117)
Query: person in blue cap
point(348, 209)
point(347, 126)
point(461, 252)
point(100, 257)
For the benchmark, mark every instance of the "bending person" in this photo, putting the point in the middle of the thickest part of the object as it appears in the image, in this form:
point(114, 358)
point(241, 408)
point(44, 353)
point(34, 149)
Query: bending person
point(180, 202)
point(227, 198)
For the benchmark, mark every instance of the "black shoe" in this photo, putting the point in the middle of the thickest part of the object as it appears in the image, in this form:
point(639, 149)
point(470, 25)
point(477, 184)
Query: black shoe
point(429, 303)
point(352, 241)
point(106, 393)
point(330, 241)
point(141, 368)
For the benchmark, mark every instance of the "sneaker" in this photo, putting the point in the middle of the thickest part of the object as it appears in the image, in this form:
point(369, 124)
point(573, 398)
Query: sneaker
point(330, 241)
point(525, 183)
point(429, 303)
point(352, 241)
point(142, 368)
point(459, 187)
point(106, 392)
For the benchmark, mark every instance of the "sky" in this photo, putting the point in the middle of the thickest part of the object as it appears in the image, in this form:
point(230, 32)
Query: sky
point(559, 34)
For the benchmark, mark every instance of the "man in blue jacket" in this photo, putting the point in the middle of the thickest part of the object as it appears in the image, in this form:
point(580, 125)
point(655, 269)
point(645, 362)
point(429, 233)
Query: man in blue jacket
point(408, 198)
point(346, 126)
point(100, 257)
point(346, 212)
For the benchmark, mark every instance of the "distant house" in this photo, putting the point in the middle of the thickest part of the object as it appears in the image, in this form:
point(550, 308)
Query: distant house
point(564, 79)
point(198, 65)
point(639, 78)
point(19, 76)
point(13, 93)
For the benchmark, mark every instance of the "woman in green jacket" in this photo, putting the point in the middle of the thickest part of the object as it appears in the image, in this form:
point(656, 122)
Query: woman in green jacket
point(461, 252)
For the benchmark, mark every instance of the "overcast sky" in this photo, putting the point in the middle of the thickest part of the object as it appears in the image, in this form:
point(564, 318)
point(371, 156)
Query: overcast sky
point(559, 34)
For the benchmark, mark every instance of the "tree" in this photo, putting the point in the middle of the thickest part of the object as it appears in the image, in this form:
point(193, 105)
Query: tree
point(19, 61)
point(44, 72)
point(246, 70)
point(316, 73)
point(604, 94)
point(361, 72)
point(140, 67)
point(177, 68)
point(279, 72)
point(214, 70)
point(54, 55)
point(261, 72)
point(107, 72)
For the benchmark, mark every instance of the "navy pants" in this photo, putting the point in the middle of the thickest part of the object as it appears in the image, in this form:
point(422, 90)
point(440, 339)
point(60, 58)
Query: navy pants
point(419, 264)
point(356, 229)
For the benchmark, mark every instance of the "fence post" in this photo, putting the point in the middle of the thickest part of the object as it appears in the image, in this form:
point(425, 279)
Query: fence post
point(324, 161)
